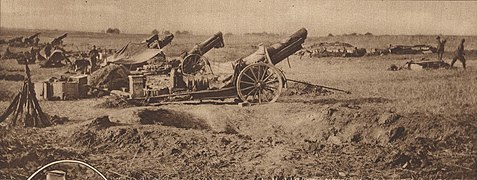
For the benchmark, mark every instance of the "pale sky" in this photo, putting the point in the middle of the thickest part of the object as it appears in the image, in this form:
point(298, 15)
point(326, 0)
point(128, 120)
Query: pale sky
point(241, 16)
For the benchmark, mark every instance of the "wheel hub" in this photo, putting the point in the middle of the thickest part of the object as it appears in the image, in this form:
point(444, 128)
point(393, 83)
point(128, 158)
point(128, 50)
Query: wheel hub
point(259, 84)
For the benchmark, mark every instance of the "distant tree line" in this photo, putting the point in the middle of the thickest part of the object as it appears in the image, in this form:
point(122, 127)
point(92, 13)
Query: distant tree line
point(185, 33)
point(261, 34)
point(113, 31)
point(358, 34)
point(167, 32)
point(353, 34)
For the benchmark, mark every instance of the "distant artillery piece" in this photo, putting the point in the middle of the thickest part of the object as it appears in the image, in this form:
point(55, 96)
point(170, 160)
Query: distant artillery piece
point(421, 65)
point(427, 65)
point(416, 49)
point(57, 55)
point(16, 42)
point(29, 41)
point(155, 42)
point(333, 49)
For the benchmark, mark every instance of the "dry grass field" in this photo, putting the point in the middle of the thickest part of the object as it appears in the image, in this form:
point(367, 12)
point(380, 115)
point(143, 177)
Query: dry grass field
point(395, 124)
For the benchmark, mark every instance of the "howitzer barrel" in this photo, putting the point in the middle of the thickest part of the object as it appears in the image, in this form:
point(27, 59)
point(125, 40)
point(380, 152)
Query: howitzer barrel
point(167, 40)
point(33, 36)
point(216, 41)
point(58, 39)
point(281, 50)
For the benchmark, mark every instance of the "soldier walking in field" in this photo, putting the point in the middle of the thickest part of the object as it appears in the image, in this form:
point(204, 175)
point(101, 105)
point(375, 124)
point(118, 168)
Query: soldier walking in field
point(459, 54)
point(440, 48)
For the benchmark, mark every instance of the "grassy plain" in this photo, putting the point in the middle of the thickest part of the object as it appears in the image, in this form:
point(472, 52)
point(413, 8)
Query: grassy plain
point(395, 124)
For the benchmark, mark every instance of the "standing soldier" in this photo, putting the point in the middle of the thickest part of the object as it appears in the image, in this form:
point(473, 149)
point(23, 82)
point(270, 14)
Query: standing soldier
point(36, 41)
point(440, 48)
point(32, 55)
point(48, 50)
point(459, 54)
point(93, 56)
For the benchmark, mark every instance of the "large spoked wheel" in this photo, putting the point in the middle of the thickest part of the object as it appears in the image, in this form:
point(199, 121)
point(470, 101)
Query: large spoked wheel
point(259, 83)
point(195, 64)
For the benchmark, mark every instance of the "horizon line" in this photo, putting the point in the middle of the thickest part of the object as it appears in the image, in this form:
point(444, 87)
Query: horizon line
point(201, 34)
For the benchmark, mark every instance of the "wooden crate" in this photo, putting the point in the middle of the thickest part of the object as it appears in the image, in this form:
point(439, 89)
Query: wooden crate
point(71, 91)
point(58, 90)
point(64, 90)
point(136, 85)
point(82, 81)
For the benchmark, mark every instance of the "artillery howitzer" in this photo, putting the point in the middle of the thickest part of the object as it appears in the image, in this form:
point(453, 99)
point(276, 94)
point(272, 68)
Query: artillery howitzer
point(194, 62)
point(52, 54)
point(155, 42)
point(32, 40)
point(24, 42)
point(16, 42)
point(191, 62)
point(255, 78)
point(58, 40)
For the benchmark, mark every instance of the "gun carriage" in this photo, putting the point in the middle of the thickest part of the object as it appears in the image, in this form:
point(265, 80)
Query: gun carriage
point(255, 79)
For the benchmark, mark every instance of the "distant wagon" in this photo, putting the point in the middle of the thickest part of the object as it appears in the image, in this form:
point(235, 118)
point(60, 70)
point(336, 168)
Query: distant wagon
point(416, 49)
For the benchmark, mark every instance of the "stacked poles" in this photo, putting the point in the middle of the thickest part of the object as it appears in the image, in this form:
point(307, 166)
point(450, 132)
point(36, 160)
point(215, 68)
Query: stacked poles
point(25, 110)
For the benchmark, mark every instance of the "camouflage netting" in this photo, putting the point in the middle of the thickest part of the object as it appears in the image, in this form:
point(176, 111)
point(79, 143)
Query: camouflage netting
point(112, 76)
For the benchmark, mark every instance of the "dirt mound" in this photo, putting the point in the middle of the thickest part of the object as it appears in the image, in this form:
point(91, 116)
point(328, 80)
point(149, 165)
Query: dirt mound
point(394, 140)
point(24, 150)
point(114, 102)
point(100, 123)
point(112, 76)
point(171, 118)
point(110, 138)
point(58, 120)
point(305, 89)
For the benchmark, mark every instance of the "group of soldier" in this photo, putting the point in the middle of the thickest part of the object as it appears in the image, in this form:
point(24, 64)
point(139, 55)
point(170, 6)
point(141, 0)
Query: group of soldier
point(458, 55)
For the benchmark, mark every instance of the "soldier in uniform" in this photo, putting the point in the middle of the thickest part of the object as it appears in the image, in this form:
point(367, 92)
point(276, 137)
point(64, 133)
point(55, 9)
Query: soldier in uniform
point(459, 54)
point(32, 55)
point(36, 41)
point(440, 48)
point(48, 50)
point(93, 57)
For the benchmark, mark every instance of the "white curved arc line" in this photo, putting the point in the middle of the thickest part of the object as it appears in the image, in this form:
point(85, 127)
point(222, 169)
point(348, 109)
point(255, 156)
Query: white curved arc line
point(66, 161)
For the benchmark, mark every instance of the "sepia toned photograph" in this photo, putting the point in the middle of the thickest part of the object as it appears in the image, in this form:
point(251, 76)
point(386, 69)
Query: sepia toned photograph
point(238, 89)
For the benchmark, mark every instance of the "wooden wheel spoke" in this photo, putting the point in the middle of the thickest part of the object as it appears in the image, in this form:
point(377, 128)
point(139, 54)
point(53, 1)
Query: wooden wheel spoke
point(247, 88)
point(249, 93)
point(246, 82)
point(266, 94)
point(253, 73)
point(268, 77)
point(264, 72)
point(258, 72)
point(248, 76)
point(259, 98)
point(272, 81)
point(255, 94)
